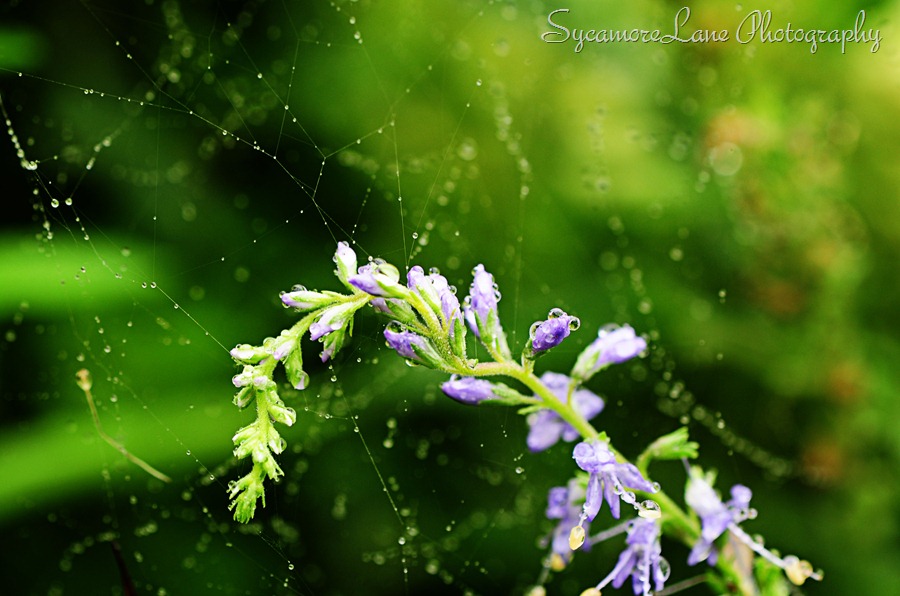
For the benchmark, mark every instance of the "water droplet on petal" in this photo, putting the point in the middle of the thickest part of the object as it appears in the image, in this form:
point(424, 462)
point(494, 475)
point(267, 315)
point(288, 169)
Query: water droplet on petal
point(576, 537)
point(649, 510)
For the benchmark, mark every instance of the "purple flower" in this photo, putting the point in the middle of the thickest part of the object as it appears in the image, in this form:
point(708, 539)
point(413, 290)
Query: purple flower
point(550, 333)
point(547, 427)
point(613, 345)
point(608, 479)
point(483, 299)
point(715, 516)
point(480, 310)
point(331, 344)
point(283, 347)
point(641, 560)
point(247, 354)
point(331, 319)
point(378, 279)
point(468, 390)
point(303, 299)
point(402, 342)
point(380, 305)
point(436, 292)
point(411, 346)
point(564, 504)
point(345, 259)
point(245, 377)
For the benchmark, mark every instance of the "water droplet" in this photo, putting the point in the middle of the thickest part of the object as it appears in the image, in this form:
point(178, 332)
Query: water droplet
point(576, 537)
point(54, 203)
point(649, 510)
point(467, 150)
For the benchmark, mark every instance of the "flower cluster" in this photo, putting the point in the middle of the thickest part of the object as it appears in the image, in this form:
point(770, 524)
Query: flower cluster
point(641, 560)
point(717, 517)
point(428, 325)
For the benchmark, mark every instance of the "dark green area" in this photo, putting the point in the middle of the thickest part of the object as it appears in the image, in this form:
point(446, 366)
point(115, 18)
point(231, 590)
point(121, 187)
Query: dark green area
point(736, 203)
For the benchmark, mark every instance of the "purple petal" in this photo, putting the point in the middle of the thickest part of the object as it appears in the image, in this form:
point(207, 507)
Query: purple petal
point(587, 403)
point(591, 457)
point(402, 342)
point(550, 334)
point(546, 428)
point(468, 390)
point(365, 281)
point(483, 293)
point(320, 328)
point(609, 492)
point(619, 345)
point(415, 277)
point(557, 502)
point(593, 500)
point(345, 258)
point(624, 567)
point(631, 477)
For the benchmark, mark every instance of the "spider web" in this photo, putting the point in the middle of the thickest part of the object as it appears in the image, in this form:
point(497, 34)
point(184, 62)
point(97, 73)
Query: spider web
point(182, 163)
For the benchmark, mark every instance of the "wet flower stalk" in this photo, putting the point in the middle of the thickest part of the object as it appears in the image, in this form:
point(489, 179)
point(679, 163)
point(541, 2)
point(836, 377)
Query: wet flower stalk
point(428, 325)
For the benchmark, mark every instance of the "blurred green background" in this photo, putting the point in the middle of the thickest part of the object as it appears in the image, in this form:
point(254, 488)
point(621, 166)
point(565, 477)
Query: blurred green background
point(736, 203)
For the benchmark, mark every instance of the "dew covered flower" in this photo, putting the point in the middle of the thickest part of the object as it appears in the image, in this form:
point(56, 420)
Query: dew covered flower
point(550, 333)
point(332, 318)
point(437, 294)
point(345, 259)
point(468, 390)
point(301, 299)
point(613, 345)
point(331, 344)
point(411, 346)
point(480, 308)
point(715, 516)
point(641, 560)
point(564, 504)
point(247, 354)
point(378, 278)
point(394, 308)
point(547, 428)
point(609, 479)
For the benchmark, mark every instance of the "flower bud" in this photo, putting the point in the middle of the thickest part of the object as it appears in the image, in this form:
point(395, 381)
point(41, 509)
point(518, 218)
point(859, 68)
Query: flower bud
point(468, 390)
point(480, 309)
point(411, 346)
point(613, 345)
point(332, 319)
point(302, 299)
point(378, 278)
point(550, 333)
point(345, 259)
point(247, 354)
